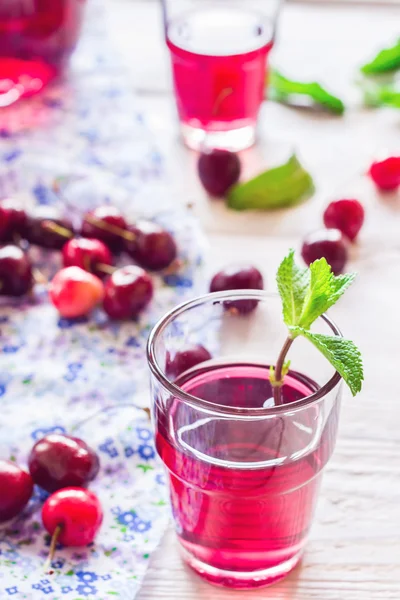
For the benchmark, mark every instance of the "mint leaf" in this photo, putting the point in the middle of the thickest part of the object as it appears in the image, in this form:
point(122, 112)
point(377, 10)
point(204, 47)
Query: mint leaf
point(343, 355)
point(287, 91)
point(293, 283)
point(285, 185)
point(324, 291)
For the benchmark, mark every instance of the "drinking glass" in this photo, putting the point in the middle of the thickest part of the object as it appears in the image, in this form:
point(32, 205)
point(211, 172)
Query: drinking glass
point(243, 473)
point(37, 37)
point(219, 51)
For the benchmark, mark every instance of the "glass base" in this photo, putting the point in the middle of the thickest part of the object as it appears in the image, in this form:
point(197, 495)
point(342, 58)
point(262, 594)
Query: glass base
point(234, 139)
point(237, 579)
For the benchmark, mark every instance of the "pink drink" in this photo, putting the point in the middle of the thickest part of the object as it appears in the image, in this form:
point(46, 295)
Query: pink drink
point(37, 38)
point(219, 57)
point(246, 509)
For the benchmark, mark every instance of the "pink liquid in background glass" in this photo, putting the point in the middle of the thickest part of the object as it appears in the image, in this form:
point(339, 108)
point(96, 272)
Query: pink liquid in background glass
point(37, 38)
point(241, 519)
point(219, 57)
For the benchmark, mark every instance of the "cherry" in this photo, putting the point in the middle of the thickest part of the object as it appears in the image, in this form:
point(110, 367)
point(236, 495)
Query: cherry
point(185, 360)
point(57, 461)
point(386, 173)
point(45, 226)
point(16, 488)
point(12, 219)
point(153, 247)
point(75, 292)
point(128, 291)
point(91, 255)
point(218, 171)
point(237, 277)
point(72, 516)
point(105, 223)
point(345, 215)
point(326, 243)
point(15, 271)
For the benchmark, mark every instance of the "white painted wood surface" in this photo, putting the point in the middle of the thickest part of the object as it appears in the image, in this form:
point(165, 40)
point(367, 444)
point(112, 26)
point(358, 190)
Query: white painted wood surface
point(354, 549)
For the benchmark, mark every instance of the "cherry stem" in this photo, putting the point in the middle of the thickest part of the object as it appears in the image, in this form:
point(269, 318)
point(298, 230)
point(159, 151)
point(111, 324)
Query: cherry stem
point(59, 229)
point(53, 544)
point(39, 277)
point(109, 269)
point(278, 379)
point(124, 233)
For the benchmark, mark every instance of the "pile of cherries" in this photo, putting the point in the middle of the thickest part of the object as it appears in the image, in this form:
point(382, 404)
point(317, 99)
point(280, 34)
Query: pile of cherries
point(88, 277)
point(63, 466)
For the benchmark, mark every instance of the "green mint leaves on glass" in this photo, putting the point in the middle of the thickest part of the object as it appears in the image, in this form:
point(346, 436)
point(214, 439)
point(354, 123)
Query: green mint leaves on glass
point(306, 294)
point(282, 186)
point(385, 61)
point(287, 91)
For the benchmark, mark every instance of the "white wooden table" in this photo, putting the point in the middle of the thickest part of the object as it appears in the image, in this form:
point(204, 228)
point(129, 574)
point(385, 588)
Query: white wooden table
point(354, 550)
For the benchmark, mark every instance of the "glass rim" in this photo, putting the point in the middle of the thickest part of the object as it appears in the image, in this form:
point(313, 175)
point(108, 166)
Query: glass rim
point(180, 394)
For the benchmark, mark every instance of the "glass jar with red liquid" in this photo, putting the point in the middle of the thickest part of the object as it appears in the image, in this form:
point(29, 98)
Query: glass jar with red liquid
point(243, 473)
point(37, 38)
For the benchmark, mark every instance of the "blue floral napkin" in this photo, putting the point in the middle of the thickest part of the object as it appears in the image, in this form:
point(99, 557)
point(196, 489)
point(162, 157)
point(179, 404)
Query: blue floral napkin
point(81, 143)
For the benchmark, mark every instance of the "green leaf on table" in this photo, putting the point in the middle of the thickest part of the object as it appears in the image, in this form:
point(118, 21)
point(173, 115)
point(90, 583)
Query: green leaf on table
point(293, 283)
point(285, 185)
point(385, 61)
point(286, 91)
point(343, 355)
point(377, 93)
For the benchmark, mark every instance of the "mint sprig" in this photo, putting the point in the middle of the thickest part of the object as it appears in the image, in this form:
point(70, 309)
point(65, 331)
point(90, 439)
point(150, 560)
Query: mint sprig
point(306, 294)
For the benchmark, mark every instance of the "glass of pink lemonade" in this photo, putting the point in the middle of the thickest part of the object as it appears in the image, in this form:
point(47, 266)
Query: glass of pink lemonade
point(243, 473)
point(219, 51)
point(37, 37)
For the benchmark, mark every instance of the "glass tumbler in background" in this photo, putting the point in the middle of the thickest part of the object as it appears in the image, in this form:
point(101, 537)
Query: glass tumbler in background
point(37, 37)
point(219, 51)
point(243, 474)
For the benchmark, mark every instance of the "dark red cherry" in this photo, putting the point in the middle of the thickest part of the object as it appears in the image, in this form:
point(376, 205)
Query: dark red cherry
point(153, 247)
point(128, 291)
point(12, 219)
point(16, 488)
point(16, 277)
point(329, 244)
point(107, 224)
point(238, 277)
point(185, 359)
point(91, 255)
point(218, 171)
point(57, 461)
point(46, 226)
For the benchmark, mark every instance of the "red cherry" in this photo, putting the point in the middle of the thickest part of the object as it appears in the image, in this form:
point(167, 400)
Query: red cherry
point(75, 292)
point(238, 277)
point(218, 171)
point(58, 461)
point(153, 247)
point(185, 359)
point(386, 173)
point(12, 219)
point(87, 254)
point(105, 223)
point(16, 488)
point(76, 513)
point(345, 215)
point(128, 291)
point(15, 271)
point(329, 244)
point(5, 224)
point(46, 226)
